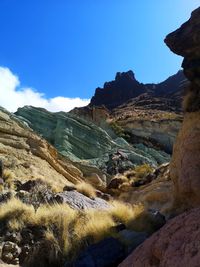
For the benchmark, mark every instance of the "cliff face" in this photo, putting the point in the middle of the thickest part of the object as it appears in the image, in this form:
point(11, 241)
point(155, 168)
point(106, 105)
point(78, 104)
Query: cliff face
point(83, 141)
point(185, 166)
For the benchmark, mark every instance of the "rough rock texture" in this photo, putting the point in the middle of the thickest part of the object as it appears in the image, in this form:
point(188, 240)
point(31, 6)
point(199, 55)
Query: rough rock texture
point(78, 201)
point(83, 141)
point(175, 244)
point(29, 156)
point(158, 130)
point(185, 166)
point(154, 194)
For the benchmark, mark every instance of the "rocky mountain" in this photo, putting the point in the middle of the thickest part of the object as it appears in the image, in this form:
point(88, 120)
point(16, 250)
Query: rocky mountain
point(125, 88)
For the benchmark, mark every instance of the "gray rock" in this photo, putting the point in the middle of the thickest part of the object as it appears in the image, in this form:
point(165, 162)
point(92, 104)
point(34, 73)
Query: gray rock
point(78, 201)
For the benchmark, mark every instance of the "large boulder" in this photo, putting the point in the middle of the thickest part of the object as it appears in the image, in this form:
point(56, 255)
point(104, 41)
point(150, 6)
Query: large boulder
point(175, 244)
point(185, 165)
point(78, 201)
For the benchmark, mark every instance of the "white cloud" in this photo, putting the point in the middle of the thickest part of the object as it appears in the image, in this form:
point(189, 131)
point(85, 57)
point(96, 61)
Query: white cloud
point(13, 96)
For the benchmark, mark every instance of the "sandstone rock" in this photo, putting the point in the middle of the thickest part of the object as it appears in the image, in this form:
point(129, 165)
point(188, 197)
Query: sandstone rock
point(185, 165)
point(175, 244)
point(19, 145)
point(78, 201)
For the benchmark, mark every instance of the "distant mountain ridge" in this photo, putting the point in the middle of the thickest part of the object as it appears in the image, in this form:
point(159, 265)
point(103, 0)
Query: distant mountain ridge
point(125, 87)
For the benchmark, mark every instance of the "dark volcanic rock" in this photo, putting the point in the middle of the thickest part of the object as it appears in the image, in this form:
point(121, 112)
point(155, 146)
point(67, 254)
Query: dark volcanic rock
point(163, 96)
point(114, 93)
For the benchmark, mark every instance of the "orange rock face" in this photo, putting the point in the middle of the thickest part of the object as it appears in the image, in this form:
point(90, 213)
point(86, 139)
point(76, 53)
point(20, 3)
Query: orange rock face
point(176, 244)
point(185, 164)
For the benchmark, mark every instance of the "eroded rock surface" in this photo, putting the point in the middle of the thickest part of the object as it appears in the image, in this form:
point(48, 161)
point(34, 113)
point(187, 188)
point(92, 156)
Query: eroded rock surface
point(185, 166)
point(28, 156)
point(175, 244)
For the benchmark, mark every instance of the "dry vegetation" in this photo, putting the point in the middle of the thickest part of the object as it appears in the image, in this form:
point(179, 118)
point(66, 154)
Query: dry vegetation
point(86, 189)
point(67, 230)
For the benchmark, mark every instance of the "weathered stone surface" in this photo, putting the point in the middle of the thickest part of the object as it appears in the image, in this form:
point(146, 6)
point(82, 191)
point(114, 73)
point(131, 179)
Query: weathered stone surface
point(29, 156)
point(175, 244)
point(185, 165)
point(83, 141)
point(78, 201)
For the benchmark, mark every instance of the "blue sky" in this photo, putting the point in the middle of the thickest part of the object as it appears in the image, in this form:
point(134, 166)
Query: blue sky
point(69, 47)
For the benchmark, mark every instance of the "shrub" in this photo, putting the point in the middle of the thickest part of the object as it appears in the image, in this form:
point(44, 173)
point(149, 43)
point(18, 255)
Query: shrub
point(86, 189)
point(14, 214)
point(142, 170)
point(124, 212)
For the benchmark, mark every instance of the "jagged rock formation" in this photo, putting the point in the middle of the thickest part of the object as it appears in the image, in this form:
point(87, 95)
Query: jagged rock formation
point(83, 141)
point(125, 88)
point(28, 155)
point(176, 244)
point(114, 93)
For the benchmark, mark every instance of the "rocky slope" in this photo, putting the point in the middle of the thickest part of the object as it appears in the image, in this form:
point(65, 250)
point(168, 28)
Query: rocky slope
point(86, 143)
point(177, 243)
point(28, 155)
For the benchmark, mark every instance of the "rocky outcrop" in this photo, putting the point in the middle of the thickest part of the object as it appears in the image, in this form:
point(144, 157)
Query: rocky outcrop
point(175, 244)
point(78, 201)
point(114, 93)
point(83, 141)
point(125, 88)
point(185, 166)
point(28, 156)
point(157, 130)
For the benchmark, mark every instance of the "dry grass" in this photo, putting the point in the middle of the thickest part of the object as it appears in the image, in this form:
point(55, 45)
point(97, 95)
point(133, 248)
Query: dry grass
point(86, 189)
point(67, 231)
point(15, 214)
point(124, 212)
point(8, 177)
point(142, 170)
